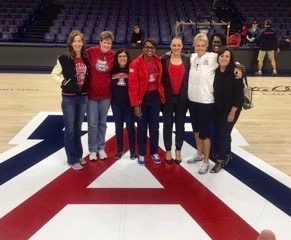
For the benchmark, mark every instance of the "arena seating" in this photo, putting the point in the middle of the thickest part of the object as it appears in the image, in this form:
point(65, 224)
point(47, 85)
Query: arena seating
point(156, 18)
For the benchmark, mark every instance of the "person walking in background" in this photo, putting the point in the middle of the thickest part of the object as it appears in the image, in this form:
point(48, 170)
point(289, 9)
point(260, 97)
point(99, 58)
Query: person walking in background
point(175, 74)
point(137, 36)
point(268, 43)
point(72, 73)
point(122, 111)
point(228, 99)
point(146, 94)
point(99, 94)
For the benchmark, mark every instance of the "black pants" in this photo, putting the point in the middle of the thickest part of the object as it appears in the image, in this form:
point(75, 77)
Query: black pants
point(222, 134)
point(174, 111)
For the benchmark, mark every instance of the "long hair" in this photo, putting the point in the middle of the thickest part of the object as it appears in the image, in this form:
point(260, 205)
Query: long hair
point(116, 66)
point(70, 50)
point(231, 64)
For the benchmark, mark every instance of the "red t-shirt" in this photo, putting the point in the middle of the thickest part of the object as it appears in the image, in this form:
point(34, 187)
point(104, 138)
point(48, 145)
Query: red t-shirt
point(101, 65)
point(81, 70)
point(176, 73)
point(153, 73)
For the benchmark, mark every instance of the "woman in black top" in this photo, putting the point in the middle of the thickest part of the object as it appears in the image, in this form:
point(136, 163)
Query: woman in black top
point(122, 110)
point(228, 95)
point(176, 66)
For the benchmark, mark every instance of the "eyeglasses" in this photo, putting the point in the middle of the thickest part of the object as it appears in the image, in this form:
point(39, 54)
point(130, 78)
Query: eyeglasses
point(149, 47)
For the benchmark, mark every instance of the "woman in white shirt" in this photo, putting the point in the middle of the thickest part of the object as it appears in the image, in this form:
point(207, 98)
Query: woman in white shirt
point(201, 99)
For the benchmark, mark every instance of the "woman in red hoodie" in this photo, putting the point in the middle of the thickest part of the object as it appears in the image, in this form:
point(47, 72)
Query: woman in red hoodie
point(99, 94)
point(146, 94)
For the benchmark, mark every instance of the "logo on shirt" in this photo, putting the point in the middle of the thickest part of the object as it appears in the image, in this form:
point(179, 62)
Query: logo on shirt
point(102, 66)
point(206, 62)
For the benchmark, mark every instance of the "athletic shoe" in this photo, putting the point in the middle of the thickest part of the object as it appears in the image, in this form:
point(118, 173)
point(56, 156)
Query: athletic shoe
point(156, 159)
point(102, 154)
point(274, 73)
point(82, 161)
point(204, 168)
point(258, 73)
point(92, 156)
point(195, 159)
point(140, 160)
point(77, 166)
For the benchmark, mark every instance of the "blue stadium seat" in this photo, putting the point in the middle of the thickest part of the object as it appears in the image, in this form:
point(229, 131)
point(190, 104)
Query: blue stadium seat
point(61, 38)
point(54, 29)
point(95, 38)
point(49, 37)
point(65, 29)
point(6, 36)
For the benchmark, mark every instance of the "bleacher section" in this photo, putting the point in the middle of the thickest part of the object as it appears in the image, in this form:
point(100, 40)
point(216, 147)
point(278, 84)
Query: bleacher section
point(278, 11)
point(16, 16)
point(157, 18)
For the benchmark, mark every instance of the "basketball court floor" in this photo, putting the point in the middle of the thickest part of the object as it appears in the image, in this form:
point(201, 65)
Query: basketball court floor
point(42, 198)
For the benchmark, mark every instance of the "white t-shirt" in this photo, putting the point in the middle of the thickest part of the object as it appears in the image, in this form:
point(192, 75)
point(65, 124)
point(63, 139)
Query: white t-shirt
point(201, 77)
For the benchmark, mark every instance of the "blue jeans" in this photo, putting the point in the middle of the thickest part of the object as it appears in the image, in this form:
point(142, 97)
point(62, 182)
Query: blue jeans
point(150, 108)
point(97, 116)
point(122, 115)
point(74, 109)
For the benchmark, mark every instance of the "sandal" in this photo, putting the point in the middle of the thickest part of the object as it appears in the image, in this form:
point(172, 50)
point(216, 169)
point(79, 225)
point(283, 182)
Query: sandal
point(217, 167)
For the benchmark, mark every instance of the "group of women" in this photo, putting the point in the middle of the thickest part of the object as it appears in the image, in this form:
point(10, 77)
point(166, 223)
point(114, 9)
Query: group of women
point(205, 83)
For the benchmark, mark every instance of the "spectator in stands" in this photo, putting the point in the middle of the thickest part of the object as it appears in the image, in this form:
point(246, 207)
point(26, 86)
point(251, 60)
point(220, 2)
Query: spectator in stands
point(228, 96)
point(120, 104)
point(266, 234)
point(234, 40)
point(268, 43)
point(146, 94)
point(176, 66)
point(99, 94)
point(137, 36)
point(253, 32)
point(72, 73)
point(243, 32)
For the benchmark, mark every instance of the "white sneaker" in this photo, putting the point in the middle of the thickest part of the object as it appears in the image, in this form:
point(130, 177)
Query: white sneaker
point(102, 154)
point(82, 161)
point(92, 156)
point(204, 168)
point(195, 159)
point(77, 166)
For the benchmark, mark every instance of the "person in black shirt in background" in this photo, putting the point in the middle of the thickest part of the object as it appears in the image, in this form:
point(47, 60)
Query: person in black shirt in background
point(253, 32)
point(120, 104)
point(268, 43)
point(137, 36)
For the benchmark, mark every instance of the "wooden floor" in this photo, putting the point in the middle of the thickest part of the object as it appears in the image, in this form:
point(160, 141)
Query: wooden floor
point(266, 127)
